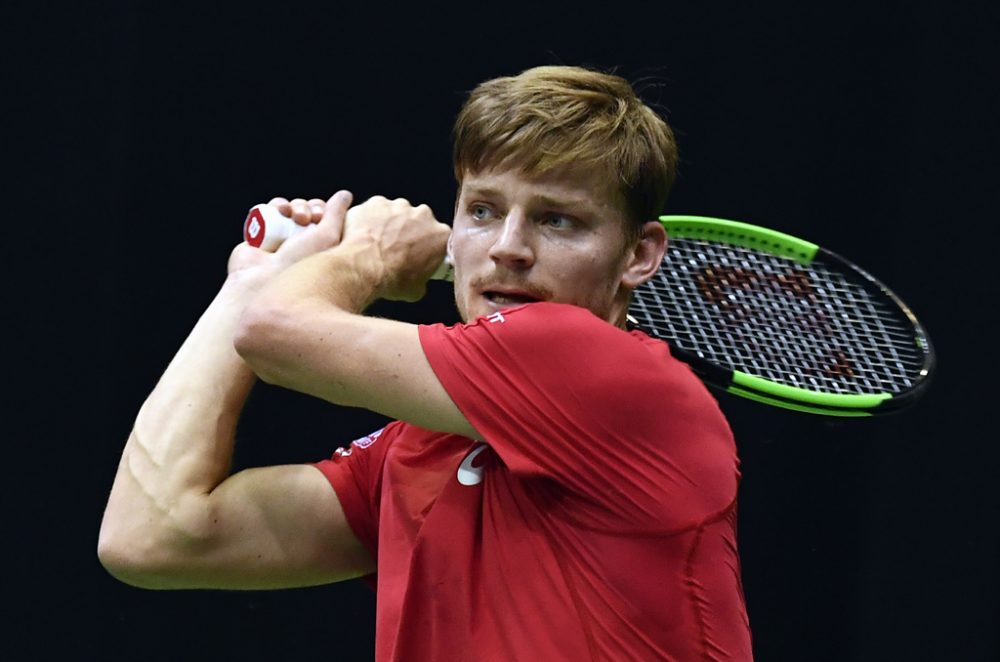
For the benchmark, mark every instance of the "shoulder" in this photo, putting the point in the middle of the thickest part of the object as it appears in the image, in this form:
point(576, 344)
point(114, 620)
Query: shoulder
point(397, 437)
point(563, 332)
point(554, 325)
point(556, 345)
point(544, 336)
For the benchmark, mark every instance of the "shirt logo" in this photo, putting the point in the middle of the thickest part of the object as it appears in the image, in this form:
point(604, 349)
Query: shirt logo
point(496, 317)
point(363, 442)
point(468, 474)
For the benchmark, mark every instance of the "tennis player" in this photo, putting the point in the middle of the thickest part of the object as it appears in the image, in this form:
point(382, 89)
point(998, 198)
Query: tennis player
point(554, 486)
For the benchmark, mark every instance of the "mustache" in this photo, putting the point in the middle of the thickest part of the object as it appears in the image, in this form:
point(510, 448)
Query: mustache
point(509, 282)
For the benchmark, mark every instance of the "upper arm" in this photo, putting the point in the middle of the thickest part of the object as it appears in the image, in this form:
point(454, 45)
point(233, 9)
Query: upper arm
point(352, 360)
point(271, 527)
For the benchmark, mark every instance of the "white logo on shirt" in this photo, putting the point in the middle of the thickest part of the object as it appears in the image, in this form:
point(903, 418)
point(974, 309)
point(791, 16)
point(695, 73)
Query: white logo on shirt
point(496, 317)
point(468, 474)
point(363, 442)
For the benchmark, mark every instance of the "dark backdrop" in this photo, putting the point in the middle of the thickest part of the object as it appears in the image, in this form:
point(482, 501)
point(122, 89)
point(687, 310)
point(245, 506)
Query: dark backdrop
point(137, 137)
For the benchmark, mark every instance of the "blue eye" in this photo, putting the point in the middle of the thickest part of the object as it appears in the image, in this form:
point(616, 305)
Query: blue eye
point(558, 222)
point(479, 212)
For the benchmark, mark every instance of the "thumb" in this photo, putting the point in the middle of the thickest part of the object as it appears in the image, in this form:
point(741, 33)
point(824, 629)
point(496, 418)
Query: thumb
point(336, 212)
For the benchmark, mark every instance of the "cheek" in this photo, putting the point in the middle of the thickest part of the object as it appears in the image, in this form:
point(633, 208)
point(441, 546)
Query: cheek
point(461, 242)
point(459, 251)
point(595, 280)
point(591, 269)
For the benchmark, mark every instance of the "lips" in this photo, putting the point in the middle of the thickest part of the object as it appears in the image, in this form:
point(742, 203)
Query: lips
point(509, 298)
point(499, 292)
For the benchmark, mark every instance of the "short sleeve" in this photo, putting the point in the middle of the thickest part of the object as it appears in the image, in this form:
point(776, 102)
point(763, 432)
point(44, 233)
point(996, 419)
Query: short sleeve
point(355, 473)
point(561, 394)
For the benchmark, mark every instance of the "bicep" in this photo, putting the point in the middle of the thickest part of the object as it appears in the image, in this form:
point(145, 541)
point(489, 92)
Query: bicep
point(356, 361)
point(274, 527)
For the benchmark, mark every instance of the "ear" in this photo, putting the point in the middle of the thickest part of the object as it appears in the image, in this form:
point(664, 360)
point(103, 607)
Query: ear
point(645, 257)
point(451, 253)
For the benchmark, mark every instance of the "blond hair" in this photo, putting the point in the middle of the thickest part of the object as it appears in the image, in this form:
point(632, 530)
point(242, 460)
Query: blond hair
point(553, 118)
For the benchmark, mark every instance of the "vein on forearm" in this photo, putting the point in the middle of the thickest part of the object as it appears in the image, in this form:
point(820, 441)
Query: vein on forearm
point(184, 433)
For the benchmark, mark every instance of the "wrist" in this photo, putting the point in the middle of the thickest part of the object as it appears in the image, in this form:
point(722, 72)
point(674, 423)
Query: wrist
point(356, 275)
point(349, 276)
point(247, 282)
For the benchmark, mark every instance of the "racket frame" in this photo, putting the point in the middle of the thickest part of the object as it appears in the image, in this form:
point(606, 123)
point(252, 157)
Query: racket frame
point(770, 392)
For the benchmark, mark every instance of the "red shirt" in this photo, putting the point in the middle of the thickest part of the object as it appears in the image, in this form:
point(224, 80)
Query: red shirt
point(596, 522)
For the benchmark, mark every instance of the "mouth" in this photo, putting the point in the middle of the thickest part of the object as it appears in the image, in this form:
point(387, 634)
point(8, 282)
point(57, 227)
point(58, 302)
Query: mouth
point(509, 297)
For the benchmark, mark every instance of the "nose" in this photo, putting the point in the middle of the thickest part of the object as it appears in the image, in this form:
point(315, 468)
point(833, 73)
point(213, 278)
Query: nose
point(512, 247)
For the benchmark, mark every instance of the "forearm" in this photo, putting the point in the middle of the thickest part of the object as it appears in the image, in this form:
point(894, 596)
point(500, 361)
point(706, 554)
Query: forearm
point(304, 332)
point(310, 304)
point(349, 276)
point(181, 444)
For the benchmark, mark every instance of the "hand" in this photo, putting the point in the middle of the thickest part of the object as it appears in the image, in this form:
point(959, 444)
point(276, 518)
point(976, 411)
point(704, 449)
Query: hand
point(328, 216)
point(407, 243)
point(300, 210)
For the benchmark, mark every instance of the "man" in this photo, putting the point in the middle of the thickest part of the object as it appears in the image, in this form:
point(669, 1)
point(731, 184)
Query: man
point(555, 487)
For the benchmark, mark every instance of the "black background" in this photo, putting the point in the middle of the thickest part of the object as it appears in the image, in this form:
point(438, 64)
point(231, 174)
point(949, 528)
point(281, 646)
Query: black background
point(136, 138)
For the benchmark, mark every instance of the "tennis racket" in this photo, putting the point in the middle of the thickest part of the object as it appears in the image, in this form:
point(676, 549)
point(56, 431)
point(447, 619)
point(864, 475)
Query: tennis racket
point(779, 320)
point(761, 314)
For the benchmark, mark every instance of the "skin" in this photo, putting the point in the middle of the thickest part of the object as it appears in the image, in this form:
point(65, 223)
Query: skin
point(557, 238)
point(176, 518)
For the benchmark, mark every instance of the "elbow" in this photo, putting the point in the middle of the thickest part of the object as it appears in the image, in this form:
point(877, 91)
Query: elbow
point(257, 338)
point(151, 556)
point(125, 561)
point(121, 565)
point(251, 330)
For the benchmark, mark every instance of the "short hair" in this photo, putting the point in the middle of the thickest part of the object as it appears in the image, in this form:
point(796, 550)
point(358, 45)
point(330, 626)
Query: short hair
point(551, 118)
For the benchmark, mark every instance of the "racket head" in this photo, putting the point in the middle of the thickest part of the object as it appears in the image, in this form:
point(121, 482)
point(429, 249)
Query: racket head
point(780, 320)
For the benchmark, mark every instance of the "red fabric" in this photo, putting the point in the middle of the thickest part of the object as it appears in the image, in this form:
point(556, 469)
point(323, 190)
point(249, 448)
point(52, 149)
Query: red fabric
point(603, 527)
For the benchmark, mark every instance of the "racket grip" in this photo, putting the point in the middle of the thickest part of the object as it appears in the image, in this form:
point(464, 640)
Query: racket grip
point(266, 228)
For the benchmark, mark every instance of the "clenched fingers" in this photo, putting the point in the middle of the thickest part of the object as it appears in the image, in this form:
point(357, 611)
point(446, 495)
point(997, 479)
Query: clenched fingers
point(300, 210)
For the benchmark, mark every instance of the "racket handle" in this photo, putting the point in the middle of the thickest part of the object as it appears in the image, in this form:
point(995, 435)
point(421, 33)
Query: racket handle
point(266, 228)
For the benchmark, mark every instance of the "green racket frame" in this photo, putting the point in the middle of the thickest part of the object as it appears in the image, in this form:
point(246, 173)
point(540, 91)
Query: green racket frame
point(768, 391)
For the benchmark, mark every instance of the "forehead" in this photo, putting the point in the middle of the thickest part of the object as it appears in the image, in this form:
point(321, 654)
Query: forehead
point(570, 188)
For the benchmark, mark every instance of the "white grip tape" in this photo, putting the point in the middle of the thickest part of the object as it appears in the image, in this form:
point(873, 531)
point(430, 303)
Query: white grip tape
point(267, 228)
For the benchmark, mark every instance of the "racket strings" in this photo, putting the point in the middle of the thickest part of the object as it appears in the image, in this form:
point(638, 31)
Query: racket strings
point(768, 316)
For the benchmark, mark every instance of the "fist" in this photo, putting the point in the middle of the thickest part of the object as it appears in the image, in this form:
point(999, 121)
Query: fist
point(300, 210)
point(407, 243)
point(326, 219)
